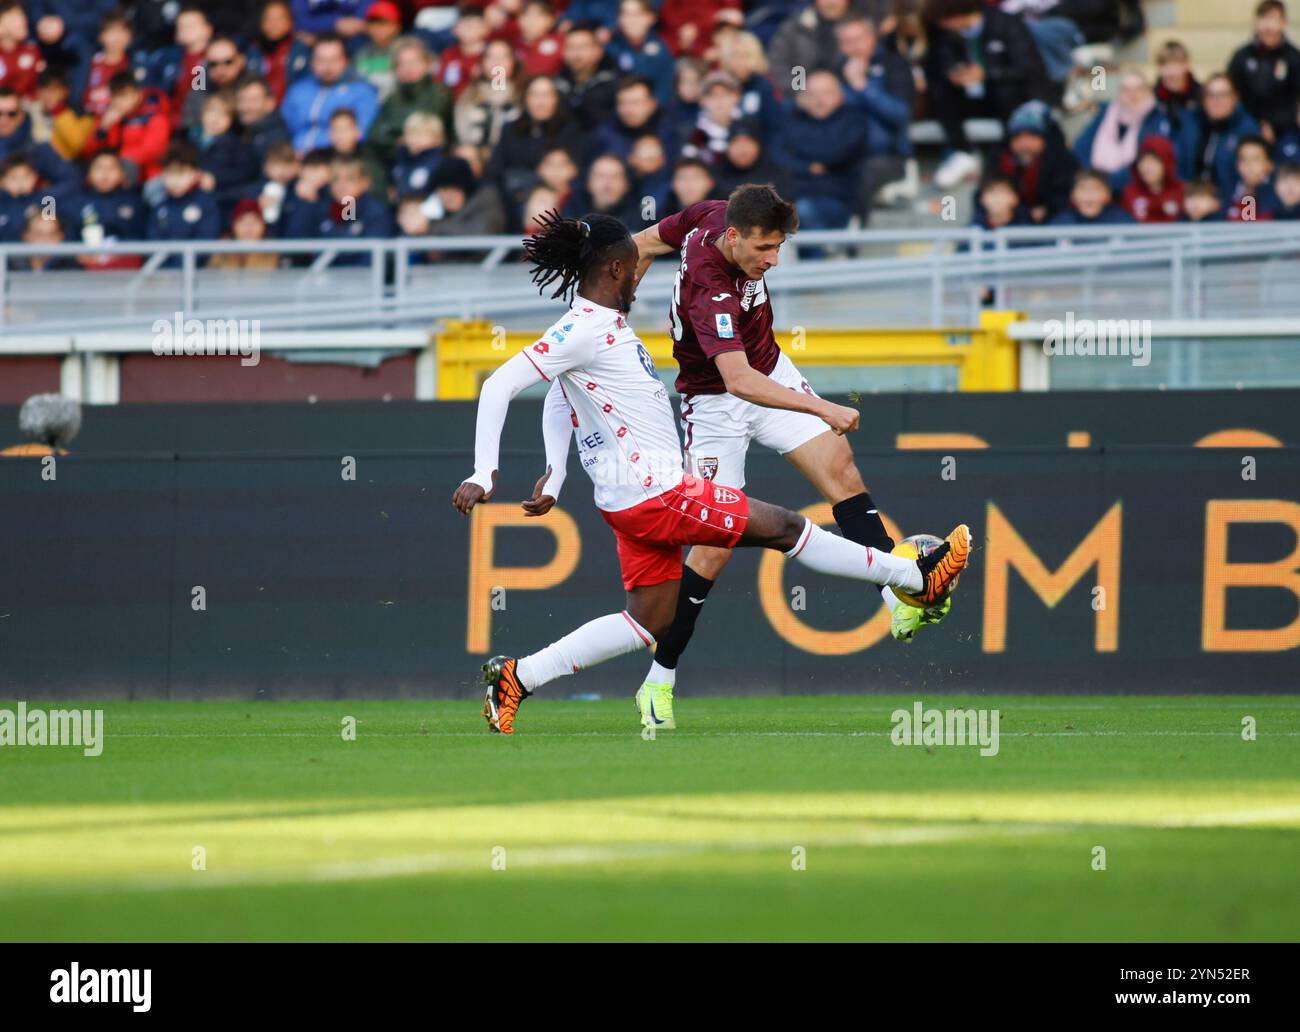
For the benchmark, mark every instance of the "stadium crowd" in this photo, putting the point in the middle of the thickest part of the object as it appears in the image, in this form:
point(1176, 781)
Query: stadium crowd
point(342, 119)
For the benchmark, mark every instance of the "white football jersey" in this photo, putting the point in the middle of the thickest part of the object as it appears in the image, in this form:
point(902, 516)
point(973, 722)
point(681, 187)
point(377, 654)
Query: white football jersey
point(622, 419)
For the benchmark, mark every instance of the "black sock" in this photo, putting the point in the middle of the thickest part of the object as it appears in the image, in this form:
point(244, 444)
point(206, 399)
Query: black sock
point(673, 644)
point(860, 523)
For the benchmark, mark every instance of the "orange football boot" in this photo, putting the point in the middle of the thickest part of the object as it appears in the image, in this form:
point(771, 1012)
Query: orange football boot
point(504, 693)
point(941, 568)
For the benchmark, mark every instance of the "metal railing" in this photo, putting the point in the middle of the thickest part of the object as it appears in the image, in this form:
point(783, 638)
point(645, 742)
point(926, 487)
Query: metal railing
point(926, 277)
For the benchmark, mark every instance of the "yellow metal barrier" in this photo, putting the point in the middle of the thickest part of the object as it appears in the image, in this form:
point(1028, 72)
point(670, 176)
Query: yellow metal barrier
point(987, 359)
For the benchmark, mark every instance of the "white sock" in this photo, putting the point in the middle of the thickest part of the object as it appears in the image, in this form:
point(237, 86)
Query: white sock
point(594, 642)
point(661, 675)
point(827, 553)
point(888, 597)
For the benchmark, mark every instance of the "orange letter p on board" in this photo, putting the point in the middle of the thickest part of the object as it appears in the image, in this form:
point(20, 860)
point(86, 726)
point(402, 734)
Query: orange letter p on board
point(484, 575)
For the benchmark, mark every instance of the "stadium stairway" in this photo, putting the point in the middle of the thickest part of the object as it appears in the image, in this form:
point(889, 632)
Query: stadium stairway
point(1211, 30)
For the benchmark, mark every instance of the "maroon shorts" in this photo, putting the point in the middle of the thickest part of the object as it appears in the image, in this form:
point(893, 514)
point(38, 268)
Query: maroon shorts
point(651, 535)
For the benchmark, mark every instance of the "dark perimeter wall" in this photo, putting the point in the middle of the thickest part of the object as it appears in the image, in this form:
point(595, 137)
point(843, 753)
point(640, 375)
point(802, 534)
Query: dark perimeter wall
point(1135, 563)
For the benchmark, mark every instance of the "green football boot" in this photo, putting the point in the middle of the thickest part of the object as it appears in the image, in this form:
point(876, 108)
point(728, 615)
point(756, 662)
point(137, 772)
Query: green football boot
point(907, 620)
point(655, 702)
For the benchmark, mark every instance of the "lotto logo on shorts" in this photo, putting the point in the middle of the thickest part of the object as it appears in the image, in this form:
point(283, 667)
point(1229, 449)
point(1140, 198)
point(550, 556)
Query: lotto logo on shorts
point(724, 495)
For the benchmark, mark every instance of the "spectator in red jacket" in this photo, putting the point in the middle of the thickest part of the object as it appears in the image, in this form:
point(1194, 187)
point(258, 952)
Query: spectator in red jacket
point(539, 47)
point(114, 56)
point(459, 60)
point(136, 124)
point(193, 33)
point(687, 26)
point(20, 58)
point(1155, 193)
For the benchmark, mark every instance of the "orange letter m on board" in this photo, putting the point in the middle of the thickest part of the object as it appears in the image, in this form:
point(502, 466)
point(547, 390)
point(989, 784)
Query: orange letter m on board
point(1006, 548)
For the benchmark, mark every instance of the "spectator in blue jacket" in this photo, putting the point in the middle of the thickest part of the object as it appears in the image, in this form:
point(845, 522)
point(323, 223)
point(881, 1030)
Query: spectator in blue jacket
point(1090, 203)
point(106, 200)
point(607, 190)
point(998, 206)
point(649, 165)
point(302, 197)
point(417, 157)
point(1220, 125)
point(346, 18)
point(636, 113)
point(684, 110)
point(1286, 184)
point(347, 211)
point(747, 161)
point(261, 125)
point(20, 197)
point(594, 12)
point(1111, 141)
point(16, 138)
point(331, 85)
point(877, 80)
point(187, 211)
point(230, 167)
point(822, 146)
point(1201, 202)
point(1253, 198)
point(639, 50)
point(1288, 147)
point(69, 28)
point(741, 55)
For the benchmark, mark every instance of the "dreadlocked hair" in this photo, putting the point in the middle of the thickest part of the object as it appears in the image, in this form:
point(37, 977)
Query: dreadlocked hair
point(566, 249)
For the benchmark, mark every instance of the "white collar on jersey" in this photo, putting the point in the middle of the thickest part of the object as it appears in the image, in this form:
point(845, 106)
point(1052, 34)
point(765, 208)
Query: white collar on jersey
point(578, 300)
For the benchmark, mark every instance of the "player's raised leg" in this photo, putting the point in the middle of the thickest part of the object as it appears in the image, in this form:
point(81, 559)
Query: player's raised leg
point(929, 578)
point(828, 463)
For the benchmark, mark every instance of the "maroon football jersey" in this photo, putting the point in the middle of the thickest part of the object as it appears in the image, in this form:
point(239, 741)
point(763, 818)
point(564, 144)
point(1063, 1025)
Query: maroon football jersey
point(715, 306)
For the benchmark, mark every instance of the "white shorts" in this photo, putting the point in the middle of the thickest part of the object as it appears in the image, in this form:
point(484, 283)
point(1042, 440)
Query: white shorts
point(719, 427)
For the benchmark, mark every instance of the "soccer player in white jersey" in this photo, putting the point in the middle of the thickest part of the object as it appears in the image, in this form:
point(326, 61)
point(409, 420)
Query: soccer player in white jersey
point(737, 386)
point(605, 394)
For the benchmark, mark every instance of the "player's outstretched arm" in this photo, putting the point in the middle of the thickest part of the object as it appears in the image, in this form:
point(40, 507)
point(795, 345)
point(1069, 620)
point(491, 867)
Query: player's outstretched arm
point(498, 391)
point(649, 246)
point(748, 384)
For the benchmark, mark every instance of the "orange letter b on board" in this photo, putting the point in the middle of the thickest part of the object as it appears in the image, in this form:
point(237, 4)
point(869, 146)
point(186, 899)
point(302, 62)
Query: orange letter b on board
point(1220, 575)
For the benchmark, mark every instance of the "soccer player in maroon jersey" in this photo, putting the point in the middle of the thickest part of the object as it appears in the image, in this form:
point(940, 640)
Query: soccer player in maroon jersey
point(606, 395)
point(737, 386)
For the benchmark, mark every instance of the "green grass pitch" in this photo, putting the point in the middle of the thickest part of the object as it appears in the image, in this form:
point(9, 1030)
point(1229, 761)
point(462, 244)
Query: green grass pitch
point(691, 836)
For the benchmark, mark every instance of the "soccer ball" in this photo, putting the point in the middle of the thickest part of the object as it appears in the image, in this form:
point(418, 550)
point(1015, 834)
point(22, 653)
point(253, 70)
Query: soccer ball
point(913, 548)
